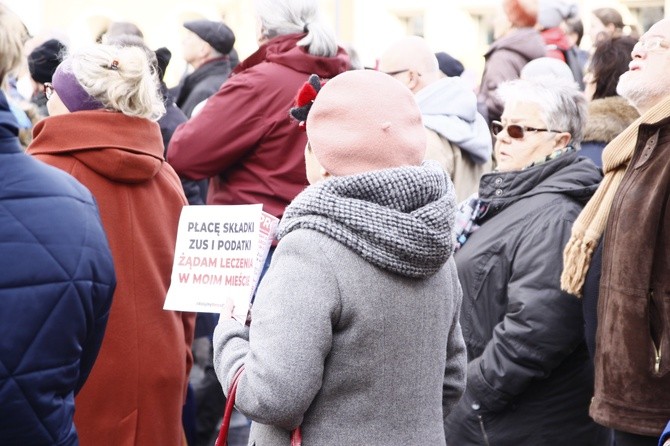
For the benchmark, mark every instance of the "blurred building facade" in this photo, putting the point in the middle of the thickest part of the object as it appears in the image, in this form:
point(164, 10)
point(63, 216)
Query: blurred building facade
point(463, 28)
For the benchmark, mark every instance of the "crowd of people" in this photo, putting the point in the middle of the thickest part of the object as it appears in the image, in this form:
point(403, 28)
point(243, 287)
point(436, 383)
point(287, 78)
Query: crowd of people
point(453, 266)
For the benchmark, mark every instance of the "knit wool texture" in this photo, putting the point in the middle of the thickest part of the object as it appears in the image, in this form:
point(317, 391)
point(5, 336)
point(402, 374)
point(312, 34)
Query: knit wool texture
point(398, 219)
point(590, 224)
point(364, 120)
point(44, 59)
point(70, 91)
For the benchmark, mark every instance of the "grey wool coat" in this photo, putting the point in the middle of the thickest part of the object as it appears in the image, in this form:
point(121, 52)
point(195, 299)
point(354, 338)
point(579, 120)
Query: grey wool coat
point(349, 339)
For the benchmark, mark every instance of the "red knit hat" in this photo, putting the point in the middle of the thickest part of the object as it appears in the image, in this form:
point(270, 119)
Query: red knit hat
point(521, 13)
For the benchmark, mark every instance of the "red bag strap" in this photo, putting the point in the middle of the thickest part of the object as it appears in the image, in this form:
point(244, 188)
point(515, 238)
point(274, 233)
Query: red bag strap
point(296, 437)
point(222, 439)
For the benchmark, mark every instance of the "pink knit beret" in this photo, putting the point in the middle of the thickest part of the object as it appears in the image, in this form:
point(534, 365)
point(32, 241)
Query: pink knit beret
point(365, 120)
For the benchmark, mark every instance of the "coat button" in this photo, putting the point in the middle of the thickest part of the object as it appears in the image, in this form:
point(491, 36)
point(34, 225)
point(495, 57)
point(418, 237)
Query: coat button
point(475, 406)
point(499, 192)
point(499, 181)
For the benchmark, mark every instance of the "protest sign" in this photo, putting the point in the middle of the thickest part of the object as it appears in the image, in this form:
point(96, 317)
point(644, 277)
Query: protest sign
point(219, 254)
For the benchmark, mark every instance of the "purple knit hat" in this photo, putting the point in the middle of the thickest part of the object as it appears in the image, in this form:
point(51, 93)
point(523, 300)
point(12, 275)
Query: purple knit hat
point(70, 91)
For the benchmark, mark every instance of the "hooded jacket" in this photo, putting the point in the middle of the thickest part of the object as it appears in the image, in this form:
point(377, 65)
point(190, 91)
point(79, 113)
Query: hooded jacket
point(56, 288)
point(504, 61)
point(459, 137)
point(136, 390)
point(244, 137)
point(607, 117)
point(354, 333)
point(529, 375)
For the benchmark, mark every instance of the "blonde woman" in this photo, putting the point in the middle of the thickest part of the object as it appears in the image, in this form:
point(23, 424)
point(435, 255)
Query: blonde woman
point(103, 105)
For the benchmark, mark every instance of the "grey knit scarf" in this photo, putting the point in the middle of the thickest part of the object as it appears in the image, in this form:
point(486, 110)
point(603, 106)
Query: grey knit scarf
point(398, 219)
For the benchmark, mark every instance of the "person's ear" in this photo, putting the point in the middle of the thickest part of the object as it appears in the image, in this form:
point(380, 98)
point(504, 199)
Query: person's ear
point(414, 79)
point(205, 50)
point(563, 140)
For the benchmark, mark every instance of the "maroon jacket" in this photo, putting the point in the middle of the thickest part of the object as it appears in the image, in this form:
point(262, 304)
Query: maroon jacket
point(244, 138)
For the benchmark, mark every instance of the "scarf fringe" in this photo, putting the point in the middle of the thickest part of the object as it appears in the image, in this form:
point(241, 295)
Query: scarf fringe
point(577, 259)
point(590, 225)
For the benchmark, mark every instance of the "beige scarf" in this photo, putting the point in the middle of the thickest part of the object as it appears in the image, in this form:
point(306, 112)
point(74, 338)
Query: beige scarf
point(590, 224)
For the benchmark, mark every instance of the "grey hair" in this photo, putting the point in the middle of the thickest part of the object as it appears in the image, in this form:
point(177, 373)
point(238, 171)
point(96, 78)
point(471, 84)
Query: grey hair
point(121, 78)
point(564, 107)
point(282, 17)
point(134, 40)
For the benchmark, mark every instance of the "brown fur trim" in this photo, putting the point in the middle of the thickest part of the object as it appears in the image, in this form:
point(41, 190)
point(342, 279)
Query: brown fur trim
point(607, 118)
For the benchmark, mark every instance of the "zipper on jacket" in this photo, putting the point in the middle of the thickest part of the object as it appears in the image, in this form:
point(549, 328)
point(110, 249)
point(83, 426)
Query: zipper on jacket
point(475, 406)
point(657, 349)
point(481, 426)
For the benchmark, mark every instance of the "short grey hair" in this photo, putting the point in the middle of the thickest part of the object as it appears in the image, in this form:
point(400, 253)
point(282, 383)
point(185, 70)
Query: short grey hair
point(282, 17)
point(564, 107)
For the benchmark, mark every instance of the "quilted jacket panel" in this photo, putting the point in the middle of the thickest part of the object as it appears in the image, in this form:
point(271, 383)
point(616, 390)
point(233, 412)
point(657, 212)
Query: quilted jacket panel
point(56, 286)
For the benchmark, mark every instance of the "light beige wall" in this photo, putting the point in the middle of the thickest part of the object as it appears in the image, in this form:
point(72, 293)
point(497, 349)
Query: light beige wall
point(454, 26)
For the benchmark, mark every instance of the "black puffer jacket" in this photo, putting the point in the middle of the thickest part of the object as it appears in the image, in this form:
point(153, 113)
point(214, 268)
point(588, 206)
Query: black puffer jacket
point(530, 378)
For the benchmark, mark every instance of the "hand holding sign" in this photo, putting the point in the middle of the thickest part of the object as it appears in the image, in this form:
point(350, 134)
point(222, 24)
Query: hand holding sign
point(219, 255)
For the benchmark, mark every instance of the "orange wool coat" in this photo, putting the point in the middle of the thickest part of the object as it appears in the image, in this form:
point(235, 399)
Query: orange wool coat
point(135, 392)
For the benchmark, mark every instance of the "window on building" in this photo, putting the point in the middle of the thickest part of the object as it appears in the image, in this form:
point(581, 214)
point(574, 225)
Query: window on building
point(646, 16)
point(413, 23)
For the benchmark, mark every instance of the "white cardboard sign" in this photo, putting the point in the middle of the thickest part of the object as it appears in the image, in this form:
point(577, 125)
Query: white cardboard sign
point(219, 254)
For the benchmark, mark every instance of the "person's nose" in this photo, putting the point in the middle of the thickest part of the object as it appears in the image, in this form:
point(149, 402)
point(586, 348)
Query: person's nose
point(638, 52)
point(502, 135)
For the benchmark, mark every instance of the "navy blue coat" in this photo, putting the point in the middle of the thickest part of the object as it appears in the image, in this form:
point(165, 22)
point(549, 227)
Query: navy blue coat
point(56, 285)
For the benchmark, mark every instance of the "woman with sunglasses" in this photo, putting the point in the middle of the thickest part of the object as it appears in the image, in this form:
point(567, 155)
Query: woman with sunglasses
point(529, 379)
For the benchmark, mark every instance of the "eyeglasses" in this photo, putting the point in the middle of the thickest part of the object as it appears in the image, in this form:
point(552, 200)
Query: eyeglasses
point(48, 90)
point(651, 44)
point(394, 73)
point(516, 131)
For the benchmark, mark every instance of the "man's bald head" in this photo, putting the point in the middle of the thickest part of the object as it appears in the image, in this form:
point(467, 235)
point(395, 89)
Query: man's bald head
point(411, 54)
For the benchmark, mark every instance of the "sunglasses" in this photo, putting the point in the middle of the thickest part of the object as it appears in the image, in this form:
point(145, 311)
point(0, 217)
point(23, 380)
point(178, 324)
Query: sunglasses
point(516, 131)
point(48, 90)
